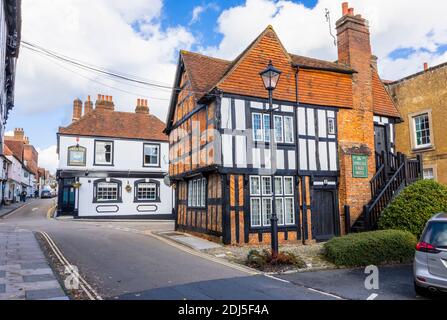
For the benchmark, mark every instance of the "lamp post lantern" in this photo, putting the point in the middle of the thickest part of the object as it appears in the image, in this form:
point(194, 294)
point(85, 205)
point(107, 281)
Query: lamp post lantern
point(270, 78)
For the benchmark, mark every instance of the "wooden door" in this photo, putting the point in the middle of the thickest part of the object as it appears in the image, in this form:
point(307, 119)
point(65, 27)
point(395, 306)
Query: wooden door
point(324, 211)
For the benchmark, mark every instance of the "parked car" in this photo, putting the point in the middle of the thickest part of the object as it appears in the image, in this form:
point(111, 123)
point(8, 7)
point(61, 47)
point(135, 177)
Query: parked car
point(46, 194)
point(430, 264)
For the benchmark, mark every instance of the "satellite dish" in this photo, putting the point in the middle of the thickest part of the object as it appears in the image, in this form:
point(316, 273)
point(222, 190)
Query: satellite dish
point(167, 181)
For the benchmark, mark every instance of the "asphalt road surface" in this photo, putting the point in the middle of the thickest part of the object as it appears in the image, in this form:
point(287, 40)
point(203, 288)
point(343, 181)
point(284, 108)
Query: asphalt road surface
point(121, 263)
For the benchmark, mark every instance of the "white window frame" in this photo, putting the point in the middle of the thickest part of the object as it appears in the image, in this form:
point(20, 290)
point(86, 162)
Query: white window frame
point(280, 201)
point(112, 150)
point(293, 186)
point(277, 193)
point(197, 193)
point(263, 186)
point(259, 214)
point(293, 222)
point(107, 185)
point(331, 126)
point(264, 127)
point(291, 133)
point(276, 128)
point(147, 185)
point(415, 132)
point(257, 138)
point(266, 219)
point(155, 146)
point(256, 194)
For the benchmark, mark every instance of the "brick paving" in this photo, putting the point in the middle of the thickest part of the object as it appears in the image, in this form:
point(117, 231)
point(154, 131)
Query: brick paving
point(24, 271)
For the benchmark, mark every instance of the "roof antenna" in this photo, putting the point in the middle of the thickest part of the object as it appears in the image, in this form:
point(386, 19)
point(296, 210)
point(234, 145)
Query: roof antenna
point(328, 19)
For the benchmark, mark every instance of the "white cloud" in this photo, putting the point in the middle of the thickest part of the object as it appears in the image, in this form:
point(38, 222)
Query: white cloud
point(48, 158)
point(199, 10)
point(99, 32)
point(394, 24)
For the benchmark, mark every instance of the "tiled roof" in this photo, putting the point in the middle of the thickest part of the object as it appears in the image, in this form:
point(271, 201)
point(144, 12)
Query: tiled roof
point(7, 151)
point(319, 64)
point(205, 72)
point(114, 124)
point(16, 147)
point(382, 101)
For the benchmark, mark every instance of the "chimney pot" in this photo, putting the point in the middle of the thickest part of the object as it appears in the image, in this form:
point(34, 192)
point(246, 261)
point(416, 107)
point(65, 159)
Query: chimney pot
point(351, 11)
point(425, 66)
point(345, 8)
point(99, 97)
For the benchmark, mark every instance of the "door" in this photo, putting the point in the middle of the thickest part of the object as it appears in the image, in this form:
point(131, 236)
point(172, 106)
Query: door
point(380, 139)
point(324, 214)
point(67, 197)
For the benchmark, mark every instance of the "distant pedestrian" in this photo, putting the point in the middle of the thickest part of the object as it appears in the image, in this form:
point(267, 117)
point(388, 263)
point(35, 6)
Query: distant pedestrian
point(23, 196)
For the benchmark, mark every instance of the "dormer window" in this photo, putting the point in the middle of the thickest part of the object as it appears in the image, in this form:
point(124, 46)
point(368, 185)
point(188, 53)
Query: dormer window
point(103, 153)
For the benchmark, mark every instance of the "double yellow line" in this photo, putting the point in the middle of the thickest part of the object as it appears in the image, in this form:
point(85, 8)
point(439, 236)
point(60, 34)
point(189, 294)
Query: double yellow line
point(89, 291)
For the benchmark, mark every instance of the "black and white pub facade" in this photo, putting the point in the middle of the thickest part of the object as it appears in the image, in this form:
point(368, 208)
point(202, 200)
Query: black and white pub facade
point(113, 164)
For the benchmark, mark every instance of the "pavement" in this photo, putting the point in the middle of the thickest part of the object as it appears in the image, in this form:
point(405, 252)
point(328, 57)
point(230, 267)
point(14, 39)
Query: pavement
point(128, 260)
point(190, 241)
point(24, 271)
point(7, 209)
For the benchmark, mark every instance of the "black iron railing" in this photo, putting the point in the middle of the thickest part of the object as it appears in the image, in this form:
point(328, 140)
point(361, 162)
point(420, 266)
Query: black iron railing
point(407, 172)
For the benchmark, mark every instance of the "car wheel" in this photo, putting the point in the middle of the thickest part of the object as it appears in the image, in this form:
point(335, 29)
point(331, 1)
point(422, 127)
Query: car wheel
point(420, 291)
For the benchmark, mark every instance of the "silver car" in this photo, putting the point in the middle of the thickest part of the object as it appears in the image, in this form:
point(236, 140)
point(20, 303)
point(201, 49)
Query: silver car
point(430, 264)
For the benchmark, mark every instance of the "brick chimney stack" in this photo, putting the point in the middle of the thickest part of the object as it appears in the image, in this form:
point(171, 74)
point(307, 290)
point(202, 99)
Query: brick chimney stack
point(356, 136)
point(19, 134)
point(142, 106)
point(105, 103)
point(77, 110)
point(88, 106)
point(425, 66)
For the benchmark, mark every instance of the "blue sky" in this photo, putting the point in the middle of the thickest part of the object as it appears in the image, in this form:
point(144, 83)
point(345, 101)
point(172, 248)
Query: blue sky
point(143, 37)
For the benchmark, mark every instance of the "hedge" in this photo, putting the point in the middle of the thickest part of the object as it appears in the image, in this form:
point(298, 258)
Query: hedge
point(411, 210)
point(371, 248)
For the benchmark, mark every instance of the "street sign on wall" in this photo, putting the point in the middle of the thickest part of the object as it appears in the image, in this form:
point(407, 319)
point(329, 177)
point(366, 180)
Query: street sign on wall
point(359, 166)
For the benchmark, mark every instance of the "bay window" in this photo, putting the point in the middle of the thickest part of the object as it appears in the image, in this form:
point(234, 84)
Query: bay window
point(261, 201)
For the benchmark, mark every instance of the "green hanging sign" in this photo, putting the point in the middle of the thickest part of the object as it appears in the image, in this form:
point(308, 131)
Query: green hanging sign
point(359, 166)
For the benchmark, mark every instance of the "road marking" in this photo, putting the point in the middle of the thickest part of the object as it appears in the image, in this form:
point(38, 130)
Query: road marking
point(326, 293)
point(275, 278)
point(372, 297)
point(50, 211)
point(35, 209)
point(91, 293)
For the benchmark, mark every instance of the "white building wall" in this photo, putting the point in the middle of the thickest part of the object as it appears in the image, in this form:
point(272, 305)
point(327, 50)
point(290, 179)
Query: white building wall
point(127, 158)
point(128, 155)
point(128, 207)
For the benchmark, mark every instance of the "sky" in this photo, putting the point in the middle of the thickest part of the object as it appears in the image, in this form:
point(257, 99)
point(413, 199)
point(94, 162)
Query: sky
point(142, 38)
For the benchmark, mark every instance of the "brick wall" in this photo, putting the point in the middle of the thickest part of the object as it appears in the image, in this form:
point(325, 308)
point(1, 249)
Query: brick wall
point(356, 126)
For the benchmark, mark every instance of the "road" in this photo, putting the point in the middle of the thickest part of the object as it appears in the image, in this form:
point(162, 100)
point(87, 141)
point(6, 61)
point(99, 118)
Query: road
point(121, 263)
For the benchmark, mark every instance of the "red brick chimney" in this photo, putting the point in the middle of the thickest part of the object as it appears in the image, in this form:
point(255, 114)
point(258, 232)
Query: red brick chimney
point(77, 110)
point(142, 106)
point(356, 131)
point(105, 103)
point(88, 106)
point(425, 66)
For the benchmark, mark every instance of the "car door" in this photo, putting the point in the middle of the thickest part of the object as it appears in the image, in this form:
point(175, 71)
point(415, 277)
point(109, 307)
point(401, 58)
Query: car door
point(437, 237)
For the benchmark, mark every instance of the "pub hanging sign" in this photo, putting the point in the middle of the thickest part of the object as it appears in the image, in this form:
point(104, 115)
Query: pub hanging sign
point(359, 166)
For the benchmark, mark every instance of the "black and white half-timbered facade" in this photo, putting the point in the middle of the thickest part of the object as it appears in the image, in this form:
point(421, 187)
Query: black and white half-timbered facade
point(113, 164)
point(332, 136)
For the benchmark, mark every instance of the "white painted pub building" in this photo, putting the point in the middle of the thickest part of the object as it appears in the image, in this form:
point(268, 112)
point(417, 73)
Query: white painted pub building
point(113, 164)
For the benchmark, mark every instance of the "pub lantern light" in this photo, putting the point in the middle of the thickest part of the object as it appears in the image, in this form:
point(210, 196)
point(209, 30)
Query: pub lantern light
point(270, 77)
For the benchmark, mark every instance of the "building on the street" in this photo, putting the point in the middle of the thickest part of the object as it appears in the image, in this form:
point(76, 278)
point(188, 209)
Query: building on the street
point(421, 99)
point(28, 155)
point(43, 180)
point(334, 139)
point(113, 164)
point(4, 173)
point(13, 186)
point(10, 32)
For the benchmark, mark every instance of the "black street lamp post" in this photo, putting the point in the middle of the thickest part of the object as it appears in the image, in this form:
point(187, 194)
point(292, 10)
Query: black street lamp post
point(270, 77)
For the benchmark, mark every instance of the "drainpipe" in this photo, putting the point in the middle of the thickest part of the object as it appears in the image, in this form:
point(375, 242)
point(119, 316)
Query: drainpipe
point(297, 160)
